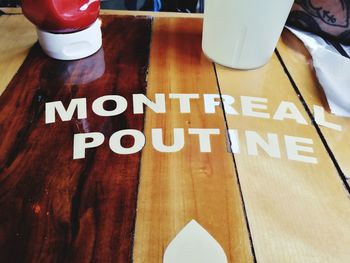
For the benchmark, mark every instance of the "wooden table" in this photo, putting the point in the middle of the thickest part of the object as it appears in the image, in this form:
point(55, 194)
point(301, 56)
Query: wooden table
point(265, 175)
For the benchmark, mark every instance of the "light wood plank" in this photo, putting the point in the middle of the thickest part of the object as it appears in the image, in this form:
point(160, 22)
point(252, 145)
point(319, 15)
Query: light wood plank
point(178, 187)
point(150, 13)
point(298, 212)
point(299, 64)
point(11, 10)
point(17, 36)
point(17, 10)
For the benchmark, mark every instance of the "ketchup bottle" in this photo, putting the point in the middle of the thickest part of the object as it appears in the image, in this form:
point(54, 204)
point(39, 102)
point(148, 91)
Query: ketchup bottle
point(67, 29)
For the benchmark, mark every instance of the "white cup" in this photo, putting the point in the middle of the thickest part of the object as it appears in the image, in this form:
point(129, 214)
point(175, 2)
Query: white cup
point(243, 34)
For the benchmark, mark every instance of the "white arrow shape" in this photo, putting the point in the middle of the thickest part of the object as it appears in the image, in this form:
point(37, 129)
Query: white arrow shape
point(193, 244)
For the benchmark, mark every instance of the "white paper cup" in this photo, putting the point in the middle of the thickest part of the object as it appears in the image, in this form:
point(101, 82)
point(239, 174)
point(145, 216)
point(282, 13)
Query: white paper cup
point(243, 34)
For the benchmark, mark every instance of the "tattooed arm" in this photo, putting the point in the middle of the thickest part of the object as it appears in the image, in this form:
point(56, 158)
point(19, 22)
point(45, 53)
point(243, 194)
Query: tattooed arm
point(325, 17)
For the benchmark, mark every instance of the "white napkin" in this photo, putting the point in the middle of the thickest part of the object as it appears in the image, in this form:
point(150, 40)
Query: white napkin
point(332, 66)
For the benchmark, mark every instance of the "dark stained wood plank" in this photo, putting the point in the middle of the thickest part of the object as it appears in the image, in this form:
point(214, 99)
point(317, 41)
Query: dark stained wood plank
point(54, 208)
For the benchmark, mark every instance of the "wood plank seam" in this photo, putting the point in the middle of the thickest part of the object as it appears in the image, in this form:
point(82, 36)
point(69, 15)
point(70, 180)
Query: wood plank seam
point(313, 123)
point(235, 167)
point(143, 131)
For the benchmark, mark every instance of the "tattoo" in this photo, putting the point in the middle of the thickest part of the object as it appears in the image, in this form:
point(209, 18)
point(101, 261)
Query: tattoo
point(331, 12)
point(314, 13)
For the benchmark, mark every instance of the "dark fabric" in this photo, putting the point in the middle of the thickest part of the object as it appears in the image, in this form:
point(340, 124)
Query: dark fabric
point(180, 5)
point(131, 4)
point(173, 5)
point(9, 3)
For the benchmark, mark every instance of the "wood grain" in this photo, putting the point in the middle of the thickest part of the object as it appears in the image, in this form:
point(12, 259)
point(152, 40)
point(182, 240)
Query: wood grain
point(18, 11)
point(54, 208)
point(178, 187)
point(299, 64)
point(298, 212)
point(11, 10)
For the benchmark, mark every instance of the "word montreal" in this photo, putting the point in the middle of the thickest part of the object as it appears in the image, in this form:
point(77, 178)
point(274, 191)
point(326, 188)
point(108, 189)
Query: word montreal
point(297, 148)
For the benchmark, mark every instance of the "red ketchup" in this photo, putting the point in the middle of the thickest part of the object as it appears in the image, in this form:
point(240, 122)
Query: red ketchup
point(56, 19)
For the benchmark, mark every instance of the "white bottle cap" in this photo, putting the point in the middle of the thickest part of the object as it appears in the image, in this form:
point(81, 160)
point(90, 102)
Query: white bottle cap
point(70, 46)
